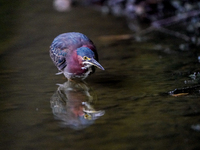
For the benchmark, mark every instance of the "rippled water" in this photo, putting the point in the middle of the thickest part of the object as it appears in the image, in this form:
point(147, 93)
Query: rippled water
point(127, 106)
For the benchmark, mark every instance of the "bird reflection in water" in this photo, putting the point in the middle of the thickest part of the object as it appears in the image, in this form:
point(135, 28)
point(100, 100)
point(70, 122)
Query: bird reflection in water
point(72, 103)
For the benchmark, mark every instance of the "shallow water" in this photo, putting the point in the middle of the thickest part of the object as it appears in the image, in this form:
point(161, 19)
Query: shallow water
point(132, 92)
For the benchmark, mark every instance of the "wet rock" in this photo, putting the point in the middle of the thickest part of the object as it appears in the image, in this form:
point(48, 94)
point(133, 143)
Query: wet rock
point(196, 127)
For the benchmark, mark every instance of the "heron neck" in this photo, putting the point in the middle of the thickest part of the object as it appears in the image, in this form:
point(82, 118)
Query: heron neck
point(74, 64)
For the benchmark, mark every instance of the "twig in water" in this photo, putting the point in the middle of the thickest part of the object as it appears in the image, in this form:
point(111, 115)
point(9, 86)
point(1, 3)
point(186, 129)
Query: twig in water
point(158, 26)
point(173, 33)
point(175, 19)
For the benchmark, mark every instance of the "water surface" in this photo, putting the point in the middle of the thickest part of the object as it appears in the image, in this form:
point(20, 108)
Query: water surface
point(133, 89)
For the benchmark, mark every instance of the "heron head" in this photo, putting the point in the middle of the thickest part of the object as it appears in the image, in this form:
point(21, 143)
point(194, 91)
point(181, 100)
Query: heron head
point(87, 57)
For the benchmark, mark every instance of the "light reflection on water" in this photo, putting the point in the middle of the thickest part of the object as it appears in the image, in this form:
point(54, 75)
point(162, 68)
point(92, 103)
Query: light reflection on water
point(73, 104)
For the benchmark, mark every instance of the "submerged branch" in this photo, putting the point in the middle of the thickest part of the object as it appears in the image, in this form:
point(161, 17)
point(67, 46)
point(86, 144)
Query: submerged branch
point(157, 26)
point(126, 36)
point(173, 33)
point(175, 19)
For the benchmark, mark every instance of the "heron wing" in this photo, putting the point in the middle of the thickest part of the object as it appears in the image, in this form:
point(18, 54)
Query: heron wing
point(58, 57)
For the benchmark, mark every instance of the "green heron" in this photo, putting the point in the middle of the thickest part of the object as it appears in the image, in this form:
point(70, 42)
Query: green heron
point(75, 55)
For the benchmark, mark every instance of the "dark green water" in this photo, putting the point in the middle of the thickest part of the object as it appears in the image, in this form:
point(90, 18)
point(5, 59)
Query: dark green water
point(132, 89)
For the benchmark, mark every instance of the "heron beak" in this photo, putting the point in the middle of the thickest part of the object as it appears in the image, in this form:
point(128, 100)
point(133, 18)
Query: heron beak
point(94, 63)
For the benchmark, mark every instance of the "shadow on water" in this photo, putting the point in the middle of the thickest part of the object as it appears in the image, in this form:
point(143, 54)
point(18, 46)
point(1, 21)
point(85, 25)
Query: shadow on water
point(73, 104)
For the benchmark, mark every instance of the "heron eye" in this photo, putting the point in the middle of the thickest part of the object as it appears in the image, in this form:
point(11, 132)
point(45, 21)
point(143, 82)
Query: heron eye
point(87, 116)
point(85, 58)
